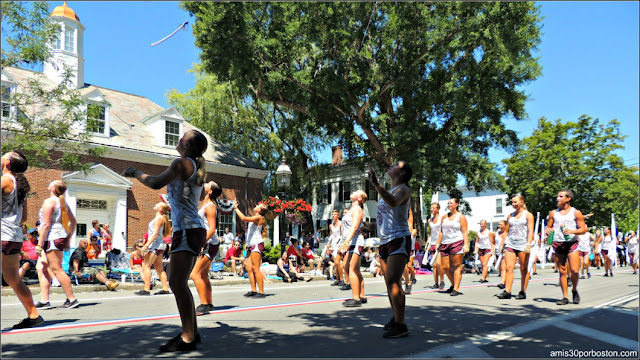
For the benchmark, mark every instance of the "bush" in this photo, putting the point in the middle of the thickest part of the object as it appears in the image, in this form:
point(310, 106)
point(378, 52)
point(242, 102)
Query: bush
point(271, 254)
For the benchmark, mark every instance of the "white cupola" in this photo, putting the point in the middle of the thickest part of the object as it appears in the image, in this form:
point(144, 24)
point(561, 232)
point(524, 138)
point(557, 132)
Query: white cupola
point(67, 47)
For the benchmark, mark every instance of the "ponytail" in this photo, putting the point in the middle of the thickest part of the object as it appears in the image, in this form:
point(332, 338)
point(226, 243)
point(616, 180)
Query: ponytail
point(23, 188)
point(202, 170)
point(60, 188)
point(167, 227)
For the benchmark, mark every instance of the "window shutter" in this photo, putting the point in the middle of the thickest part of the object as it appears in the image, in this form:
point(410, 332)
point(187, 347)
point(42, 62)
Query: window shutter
point(329, 193)
point(340, 191)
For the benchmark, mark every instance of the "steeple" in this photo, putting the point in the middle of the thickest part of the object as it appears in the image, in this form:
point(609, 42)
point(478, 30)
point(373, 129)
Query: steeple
point(67, 48)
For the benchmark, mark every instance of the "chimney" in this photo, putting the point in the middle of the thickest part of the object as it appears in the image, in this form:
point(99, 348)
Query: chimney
point(336, 155)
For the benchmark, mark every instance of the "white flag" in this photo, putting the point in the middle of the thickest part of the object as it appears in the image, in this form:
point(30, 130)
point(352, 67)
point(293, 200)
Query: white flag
point(614, 238)
point(534, 248)
point(543, 247)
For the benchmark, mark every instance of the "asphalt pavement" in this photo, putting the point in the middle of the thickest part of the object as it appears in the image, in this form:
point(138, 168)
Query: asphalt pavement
point(307, 320)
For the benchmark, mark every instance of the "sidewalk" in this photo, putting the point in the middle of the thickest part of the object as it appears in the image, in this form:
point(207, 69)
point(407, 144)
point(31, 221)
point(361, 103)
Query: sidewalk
point(138, 285)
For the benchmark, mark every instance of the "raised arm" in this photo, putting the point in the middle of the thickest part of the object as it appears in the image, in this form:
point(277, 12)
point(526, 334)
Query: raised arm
point(178, 169)
point(399, 196)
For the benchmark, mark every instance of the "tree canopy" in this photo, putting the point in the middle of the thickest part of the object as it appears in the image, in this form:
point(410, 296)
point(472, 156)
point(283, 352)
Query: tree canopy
point(44, 118)
point(428, 83)
point(579, 156)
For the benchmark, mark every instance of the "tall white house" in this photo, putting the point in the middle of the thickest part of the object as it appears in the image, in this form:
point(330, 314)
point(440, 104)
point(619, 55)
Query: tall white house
point(490, 205)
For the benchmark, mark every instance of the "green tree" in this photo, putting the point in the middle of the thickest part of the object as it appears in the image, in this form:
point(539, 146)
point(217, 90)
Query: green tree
point(578, 156)
point(45, 119)
point(260, 131)
point(428, 83)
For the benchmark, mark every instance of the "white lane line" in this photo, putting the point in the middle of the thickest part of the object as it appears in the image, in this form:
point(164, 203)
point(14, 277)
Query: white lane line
point(470, 352)
point(449, 350)
point(598, 335)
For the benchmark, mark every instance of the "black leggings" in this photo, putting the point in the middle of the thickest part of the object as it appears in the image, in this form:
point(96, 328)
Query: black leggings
point(292, 275)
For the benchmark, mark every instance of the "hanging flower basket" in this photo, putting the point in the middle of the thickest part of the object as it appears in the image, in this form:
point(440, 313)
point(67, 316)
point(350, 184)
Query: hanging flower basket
point(270, 215)
point(294, 210)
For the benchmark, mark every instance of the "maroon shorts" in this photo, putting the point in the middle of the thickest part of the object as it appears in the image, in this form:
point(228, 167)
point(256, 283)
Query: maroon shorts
point(631, 256)
point(605, 252)
point(583, 253)
point(342, 253)
point(358, 250)
point(432, 249)
point(564, 248)
point(509, 249)
point(483, 252)
point(191, 240)
point(211, 250)
point(256, 248)
point(396, 246)
point(60, 244)
point(451, 249)
point(11, 247)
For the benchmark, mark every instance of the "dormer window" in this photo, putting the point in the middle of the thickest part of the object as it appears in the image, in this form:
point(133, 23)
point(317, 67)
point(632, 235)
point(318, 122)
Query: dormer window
point(57, 44)
point(68, 39)
point(7, 107)
point(97, 119)
point(171, 133)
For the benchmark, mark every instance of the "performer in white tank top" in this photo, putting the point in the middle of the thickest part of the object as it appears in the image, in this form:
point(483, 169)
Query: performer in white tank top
point(352, 233)
point(256, 230)
point(435, 227)
point(14, 213)
point(453, 243)
point(153, 249)
point(335, 239)
point(484, 248)
point(632, 250)
point(566, 222)
point(200, 273)
point(606, 246)
point(584, 249)
point(520, 227)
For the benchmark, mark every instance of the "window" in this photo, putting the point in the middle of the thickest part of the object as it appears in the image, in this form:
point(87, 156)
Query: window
point(498, 206)
point(345, 191)
point(92, 204)
point(81, 230)
point(6, 102)
point(171, 133)
point(371, 191)
point(225, 220)
point(57, 44)
point(323, 194)
point(68, 39)
point(96, 119)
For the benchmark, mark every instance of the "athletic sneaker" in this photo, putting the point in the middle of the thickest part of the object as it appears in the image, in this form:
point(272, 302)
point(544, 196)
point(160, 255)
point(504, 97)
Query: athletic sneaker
point(162, 292)
point(397, 331)
point(582, 277)
point(203, 308)
point(352, 303)
point(442, 285)
point(501, 286)
point(414, 281)
point(345, 287)
point(364, 300)
point(504, 295)
point(336, 283)
point(211, 308)
point(564, 301)
point(435, 286)
point(259, 296)
point(43, 306)
point(407, 289)
point(449, 290)
point(588, 275)
point(611, 273)
point(521, 295)
point(70, 304)
point(455, 293)
point(576, 297)
point(250, 294)
point(112, 285)
point(606, 275)
point(178, 345)
point(390, 324)
point(27, 323)
point(142, 292)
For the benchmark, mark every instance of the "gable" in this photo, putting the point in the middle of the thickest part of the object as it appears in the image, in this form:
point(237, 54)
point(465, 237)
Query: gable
point(98, 175)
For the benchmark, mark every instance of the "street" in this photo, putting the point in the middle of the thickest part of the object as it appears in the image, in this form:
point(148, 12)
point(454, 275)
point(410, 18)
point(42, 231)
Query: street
point(304, 320)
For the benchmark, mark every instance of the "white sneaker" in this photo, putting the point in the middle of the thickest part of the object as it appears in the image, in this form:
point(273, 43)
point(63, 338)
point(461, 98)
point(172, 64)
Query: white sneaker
point(55, 282)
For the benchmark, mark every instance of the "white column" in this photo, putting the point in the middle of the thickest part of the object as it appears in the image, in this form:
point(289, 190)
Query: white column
point(276, 231)
point(120, 224)
point(72, 201)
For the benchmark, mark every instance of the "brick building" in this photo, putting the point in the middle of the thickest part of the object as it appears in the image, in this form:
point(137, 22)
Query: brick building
point(137, 132)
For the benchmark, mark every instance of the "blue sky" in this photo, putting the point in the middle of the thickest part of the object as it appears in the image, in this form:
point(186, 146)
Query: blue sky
point(589, 55)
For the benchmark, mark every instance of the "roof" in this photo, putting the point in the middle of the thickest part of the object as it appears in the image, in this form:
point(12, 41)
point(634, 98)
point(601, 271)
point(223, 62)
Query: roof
point(65, 11)
point(129, 130)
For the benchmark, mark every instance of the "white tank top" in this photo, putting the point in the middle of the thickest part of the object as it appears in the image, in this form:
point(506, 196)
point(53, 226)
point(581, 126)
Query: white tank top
point(347, 225)
point(518, 231)
point(393, 222)
point(606, 242)
point(254, 234)
point(214, 238)
point(568, 220)
point(56, 231)
point(484, 242)
point(335, 235)
point(584, 242)
point(11, 215)
point(184, 197)
point(499, 241)
point(435, 228)
point(632, 245)
point(451, 230)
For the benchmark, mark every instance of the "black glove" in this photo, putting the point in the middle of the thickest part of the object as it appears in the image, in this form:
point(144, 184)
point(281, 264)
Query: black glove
point(128, 172)
point(372, 177)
